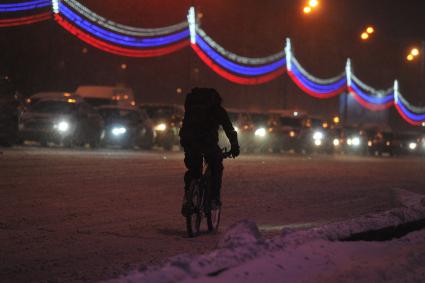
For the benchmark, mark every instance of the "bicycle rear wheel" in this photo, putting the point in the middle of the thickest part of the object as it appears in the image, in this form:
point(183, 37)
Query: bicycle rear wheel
point(193, 221)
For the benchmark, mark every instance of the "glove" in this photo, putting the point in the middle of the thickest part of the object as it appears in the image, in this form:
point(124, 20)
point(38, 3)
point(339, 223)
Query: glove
point(234, 150)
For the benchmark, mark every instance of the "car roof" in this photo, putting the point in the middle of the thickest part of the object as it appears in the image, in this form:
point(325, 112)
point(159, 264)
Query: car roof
point(118, 107)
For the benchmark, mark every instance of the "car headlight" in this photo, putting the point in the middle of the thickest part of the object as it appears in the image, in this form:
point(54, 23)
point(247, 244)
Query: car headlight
point(413, 145)
point(336, 142)
point(355, 141)
point(160, 127)
point(318, 136)
point(62, 126)
point(292, 134)
point(236, 129)
point(317, 142)
point(261, 132)
point(117, 131)
point(369, 143)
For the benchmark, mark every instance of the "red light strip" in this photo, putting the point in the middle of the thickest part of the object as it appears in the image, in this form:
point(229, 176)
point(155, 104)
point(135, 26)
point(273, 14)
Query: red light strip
point(25, 20)
point(312, 93)
point(407, 119)
point(116, 49)
point(370, 106)
point(233, 78)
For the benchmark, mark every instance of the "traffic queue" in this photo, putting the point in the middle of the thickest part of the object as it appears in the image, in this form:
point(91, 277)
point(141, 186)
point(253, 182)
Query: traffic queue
point(73, 120)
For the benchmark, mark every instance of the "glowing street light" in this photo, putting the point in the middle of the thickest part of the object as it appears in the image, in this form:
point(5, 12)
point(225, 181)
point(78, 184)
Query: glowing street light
point(370, 30)
point(313, 3)
point(410, 57)
point(307, 10)
point(414, 51)
point(364, 36)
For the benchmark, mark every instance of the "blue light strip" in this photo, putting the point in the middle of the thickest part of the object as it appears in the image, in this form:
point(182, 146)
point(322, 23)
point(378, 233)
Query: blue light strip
point(372, 99)
point(120, 39)
point(237, 68)
point(410, 115)
point(24, 6)
point(320, 89)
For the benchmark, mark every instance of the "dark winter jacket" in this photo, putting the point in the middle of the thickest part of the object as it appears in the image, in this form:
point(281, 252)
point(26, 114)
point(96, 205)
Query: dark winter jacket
point(203, 117)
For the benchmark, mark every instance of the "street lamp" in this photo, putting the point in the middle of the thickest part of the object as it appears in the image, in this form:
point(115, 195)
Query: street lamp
point(307, 10)
point(414, 51)
point(367, 32)
point(310, 6)
point(313, 3)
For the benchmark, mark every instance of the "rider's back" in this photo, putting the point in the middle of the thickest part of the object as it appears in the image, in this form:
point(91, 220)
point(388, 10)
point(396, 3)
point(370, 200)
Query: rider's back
point(203, 116)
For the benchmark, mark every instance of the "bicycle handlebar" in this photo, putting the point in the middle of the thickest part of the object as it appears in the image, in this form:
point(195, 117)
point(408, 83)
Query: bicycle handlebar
point(226, 153)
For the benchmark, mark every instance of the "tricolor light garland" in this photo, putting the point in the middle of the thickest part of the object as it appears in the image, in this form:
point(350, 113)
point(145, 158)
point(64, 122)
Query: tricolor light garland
point(30, 5)
point(113, 37)
point(24, 20)
point(123, 29)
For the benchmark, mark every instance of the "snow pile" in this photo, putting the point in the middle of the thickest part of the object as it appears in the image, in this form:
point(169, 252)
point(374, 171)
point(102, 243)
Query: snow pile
point(309, 255)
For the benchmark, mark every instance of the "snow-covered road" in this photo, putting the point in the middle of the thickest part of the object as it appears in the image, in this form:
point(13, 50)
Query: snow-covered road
point(73, 216)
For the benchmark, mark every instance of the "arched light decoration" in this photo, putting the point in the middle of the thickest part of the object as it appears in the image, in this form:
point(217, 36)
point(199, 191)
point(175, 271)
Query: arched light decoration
point(288, 52)
point(396, 91)
point(348, 72)
point(191, 19)
point(55, 6)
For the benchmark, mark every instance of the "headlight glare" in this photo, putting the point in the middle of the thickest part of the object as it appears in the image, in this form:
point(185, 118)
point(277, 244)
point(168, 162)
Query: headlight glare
point(62, 126)
point(117, 131)
point(161, 127)
point(318, 136)
point(261, 132)
point(412, 145)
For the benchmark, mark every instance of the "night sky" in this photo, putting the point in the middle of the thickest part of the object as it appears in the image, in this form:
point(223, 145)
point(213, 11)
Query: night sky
point(43, 56)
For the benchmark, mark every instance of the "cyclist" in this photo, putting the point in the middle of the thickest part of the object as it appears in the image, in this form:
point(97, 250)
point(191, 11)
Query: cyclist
point(199, 137)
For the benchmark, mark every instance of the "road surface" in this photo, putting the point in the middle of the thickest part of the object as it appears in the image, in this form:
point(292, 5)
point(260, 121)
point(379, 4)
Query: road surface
point(84, 216)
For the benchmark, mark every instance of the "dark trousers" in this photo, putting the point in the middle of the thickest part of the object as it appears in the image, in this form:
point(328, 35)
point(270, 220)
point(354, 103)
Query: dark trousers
point(194, 157)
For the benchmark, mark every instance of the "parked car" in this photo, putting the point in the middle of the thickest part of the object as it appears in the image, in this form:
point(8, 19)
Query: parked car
point(285, 128)
point(46, 95)
point(67, 121)
point(106, 95)
point(314, 136)
point(380, 141)
point(167, 120)
point(11, 106)
point(409, 143)
point(127, 127)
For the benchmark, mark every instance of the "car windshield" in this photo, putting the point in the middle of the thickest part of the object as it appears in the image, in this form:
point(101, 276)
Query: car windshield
point(118, 114)
point(259, 119)
point(160, 112)
point(95, 102)
point(291, 122)
point(233, 116)
point(53, 107)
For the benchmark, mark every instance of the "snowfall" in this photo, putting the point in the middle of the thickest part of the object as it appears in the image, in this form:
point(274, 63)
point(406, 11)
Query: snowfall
point(336, 252)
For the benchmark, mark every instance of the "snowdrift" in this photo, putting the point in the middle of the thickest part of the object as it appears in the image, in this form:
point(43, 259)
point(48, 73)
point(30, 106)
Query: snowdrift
point(321, 254)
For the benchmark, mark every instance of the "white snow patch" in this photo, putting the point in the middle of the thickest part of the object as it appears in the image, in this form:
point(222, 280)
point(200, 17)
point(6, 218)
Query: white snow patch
point(310, 255)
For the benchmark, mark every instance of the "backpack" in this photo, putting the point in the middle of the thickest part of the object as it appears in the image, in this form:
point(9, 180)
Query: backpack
point(201, 110)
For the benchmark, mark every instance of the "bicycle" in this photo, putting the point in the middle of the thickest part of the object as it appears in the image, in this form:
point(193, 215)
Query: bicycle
point(198, 194)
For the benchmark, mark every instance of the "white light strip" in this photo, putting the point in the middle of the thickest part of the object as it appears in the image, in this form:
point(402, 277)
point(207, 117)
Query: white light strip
point(55, 6)
point(288, 52)
point(407, 104)
point(375, 92)
point(313, 78)
point(235, 57)
point(191, 20)
point(128, 30)
point(348, 72)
